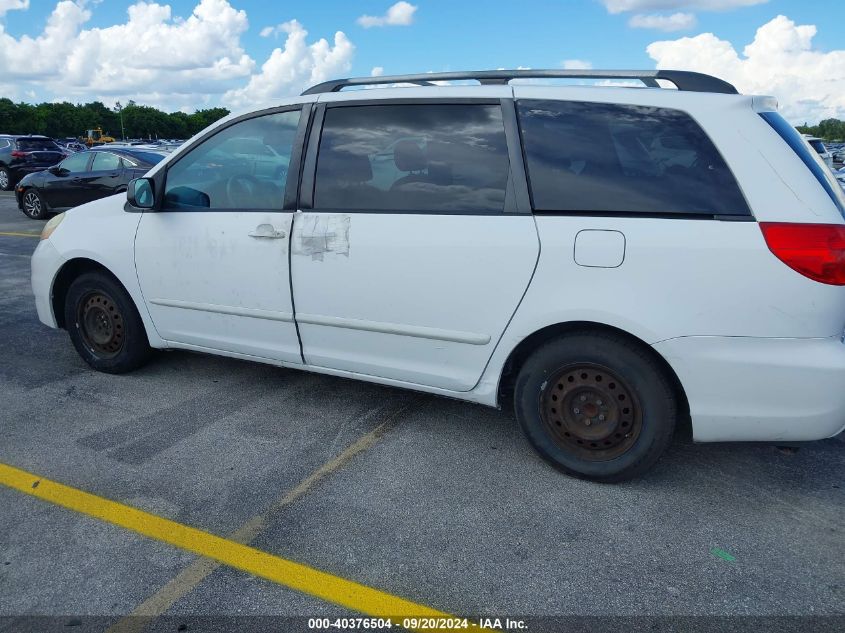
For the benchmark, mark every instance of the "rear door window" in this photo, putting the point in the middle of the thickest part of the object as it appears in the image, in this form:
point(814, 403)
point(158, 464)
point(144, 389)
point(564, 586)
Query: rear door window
point(611, 158)
point(104, 161)
point(413, 158)
point(76, 163)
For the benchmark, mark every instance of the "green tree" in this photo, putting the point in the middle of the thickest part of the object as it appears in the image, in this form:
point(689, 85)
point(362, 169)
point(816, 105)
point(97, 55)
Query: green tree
point(65, 119)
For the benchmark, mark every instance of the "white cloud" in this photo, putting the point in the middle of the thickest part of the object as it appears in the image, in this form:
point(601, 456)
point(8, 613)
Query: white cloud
point(152, 51)
point(399, 14)
point(576, 64)
point(160, 59)
point(781, 61)
point(675, 22)
point(13, 5)
point(621, 6)
point(290, 69)
point(377, 71)
point(267, 31)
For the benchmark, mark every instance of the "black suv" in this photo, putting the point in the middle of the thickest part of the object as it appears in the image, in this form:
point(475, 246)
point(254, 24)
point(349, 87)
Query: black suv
point(21, 155)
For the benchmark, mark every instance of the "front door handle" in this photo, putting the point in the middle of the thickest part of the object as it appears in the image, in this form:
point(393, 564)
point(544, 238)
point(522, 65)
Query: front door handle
point(267, 231)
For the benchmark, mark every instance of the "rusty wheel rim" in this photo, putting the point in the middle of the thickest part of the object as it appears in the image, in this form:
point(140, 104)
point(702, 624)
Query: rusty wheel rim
point(101, 325)
point(591, 412)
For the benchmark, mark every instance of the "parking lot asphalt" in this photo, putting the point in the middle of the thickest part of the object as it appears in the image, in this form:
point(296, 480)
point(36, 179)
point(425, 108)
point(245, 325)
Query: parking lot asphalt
point(436, 501)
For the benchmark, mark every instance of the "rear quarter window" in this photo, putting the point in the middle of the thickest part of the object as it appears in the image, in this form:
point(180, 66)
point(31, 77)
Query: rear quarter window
point(818, 146)
point(36, 145)
point(811, 159)
point(611, 158)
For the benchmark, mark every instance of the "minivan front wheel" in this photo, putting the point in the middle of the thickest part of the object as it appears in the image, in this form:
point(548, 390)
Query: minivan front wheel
point(104, 324)
point(596, 406)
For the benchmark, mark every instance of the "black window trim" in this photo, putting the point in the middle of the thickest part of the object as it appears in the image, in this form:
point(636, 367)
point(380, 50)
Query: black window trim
point(291, 184)
point(665, 215)
point(522, 204)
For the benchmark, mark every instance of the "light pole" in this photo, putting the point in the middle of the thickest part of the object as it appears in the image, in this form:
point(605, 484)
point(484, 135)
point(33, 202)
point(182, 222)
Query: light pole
point(119, 109)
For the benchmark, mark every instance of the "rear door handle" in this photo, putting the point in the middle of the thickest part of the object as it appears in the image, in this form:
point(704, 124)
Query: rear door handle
point(267, 231)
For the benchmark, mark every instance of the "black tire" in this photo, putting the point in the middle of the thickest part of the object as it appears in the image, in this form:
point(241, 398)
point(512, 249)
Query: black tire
point(6, 183)
point(596, 406)
point(104, 324)
point(33, 205)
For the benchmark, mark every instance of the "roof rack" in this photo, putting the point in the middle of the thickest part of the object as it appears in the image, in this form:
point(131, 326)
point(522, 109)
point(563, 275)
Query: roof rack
point(683, 79)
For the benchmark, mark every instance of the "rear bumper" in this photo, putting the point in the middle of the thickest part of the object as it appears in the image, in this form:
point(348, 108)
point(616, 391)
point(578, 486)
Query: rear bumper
point(46, 263)
point(760, 389)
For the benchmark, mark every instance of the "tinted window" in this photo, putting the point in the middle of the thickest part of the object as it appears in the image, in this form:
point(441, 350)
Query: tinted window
point(413, 158)
point(242, 167)
point(104, 161)
point(37, 145)
point(813, 161)
point(622, 158)
point(77, 162)
point(818, 146)
point(149, 158)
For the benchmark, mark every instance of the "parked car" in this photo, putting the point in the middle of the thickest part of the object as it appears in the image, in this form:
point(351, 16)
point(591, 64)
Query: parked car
point(608, 261)
point(75, 147)
point(840, 176)
point(82, 177)
point(21, 155)
point(819, 147)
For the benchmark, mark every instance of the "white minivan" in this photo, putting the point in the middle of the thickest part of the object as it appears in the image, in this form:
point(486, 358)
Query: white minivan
point(606, 260)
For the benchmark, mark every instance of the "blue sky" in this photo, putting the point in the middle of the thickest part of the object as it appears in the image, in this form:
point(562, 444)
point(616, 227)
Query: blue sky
point(441, 35)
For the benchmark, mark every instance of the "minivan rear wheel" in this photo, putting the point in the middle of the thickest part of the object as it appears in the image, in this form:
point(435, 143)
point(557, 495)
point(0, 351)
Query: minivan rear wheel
point(596, 405)
point(104, 324)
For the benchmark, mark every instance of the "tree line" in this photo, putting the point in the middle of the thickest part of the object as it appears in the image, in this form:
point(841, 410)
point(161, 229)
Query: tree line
point(61, 120)
point(829, 130)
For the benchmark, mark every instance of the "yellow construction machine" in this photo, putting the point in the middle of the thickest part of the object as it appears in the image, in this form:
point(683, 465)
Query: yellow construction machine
point(95, 137)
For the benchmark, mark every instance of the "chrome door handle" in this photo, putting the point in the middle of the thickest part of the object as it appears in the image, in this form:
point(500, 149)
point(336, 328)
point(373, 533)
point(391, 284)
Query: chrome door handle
point(267, 231)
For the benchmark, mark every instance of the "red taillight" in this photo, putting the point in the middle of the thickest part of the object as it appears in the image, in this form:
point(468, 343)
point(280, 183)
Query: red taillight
point(816, 251)
point(19, 154)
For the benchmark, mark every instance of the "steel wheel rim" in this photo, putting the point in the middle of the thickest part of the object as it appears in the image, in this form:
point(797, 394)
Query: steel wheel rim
point(101, 325)
point(32, 204)
point(4, 179)
point(591, 412)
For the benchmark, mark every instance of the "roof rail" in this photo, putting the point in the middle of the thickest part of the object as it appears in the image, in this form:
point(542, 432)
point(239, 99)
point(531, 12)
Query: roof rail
point(683, 79)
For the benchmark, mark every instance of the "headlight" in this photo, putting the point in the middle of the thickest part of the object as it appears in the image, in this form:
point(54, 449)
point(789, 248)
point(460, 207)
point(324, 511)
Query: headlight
point(54, 222)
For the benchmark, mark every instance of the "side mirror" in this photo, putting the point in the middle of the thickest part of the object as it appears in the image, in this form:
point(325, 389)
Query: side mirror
point(141, 193)
point(56, 170)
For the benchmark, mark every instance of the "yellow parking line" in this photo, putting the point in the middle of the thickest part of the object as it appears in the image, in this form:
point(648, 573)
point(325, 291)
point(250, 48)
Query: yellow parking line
point(192, 575)
point(347, 593)
point(14, 234)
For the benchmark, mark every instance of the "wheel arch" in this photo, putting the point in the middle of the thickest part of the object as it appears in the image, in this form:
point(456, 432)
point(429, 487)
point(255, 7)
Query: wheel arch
point(533, 341)
point(31, 187)
point(70, 271)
